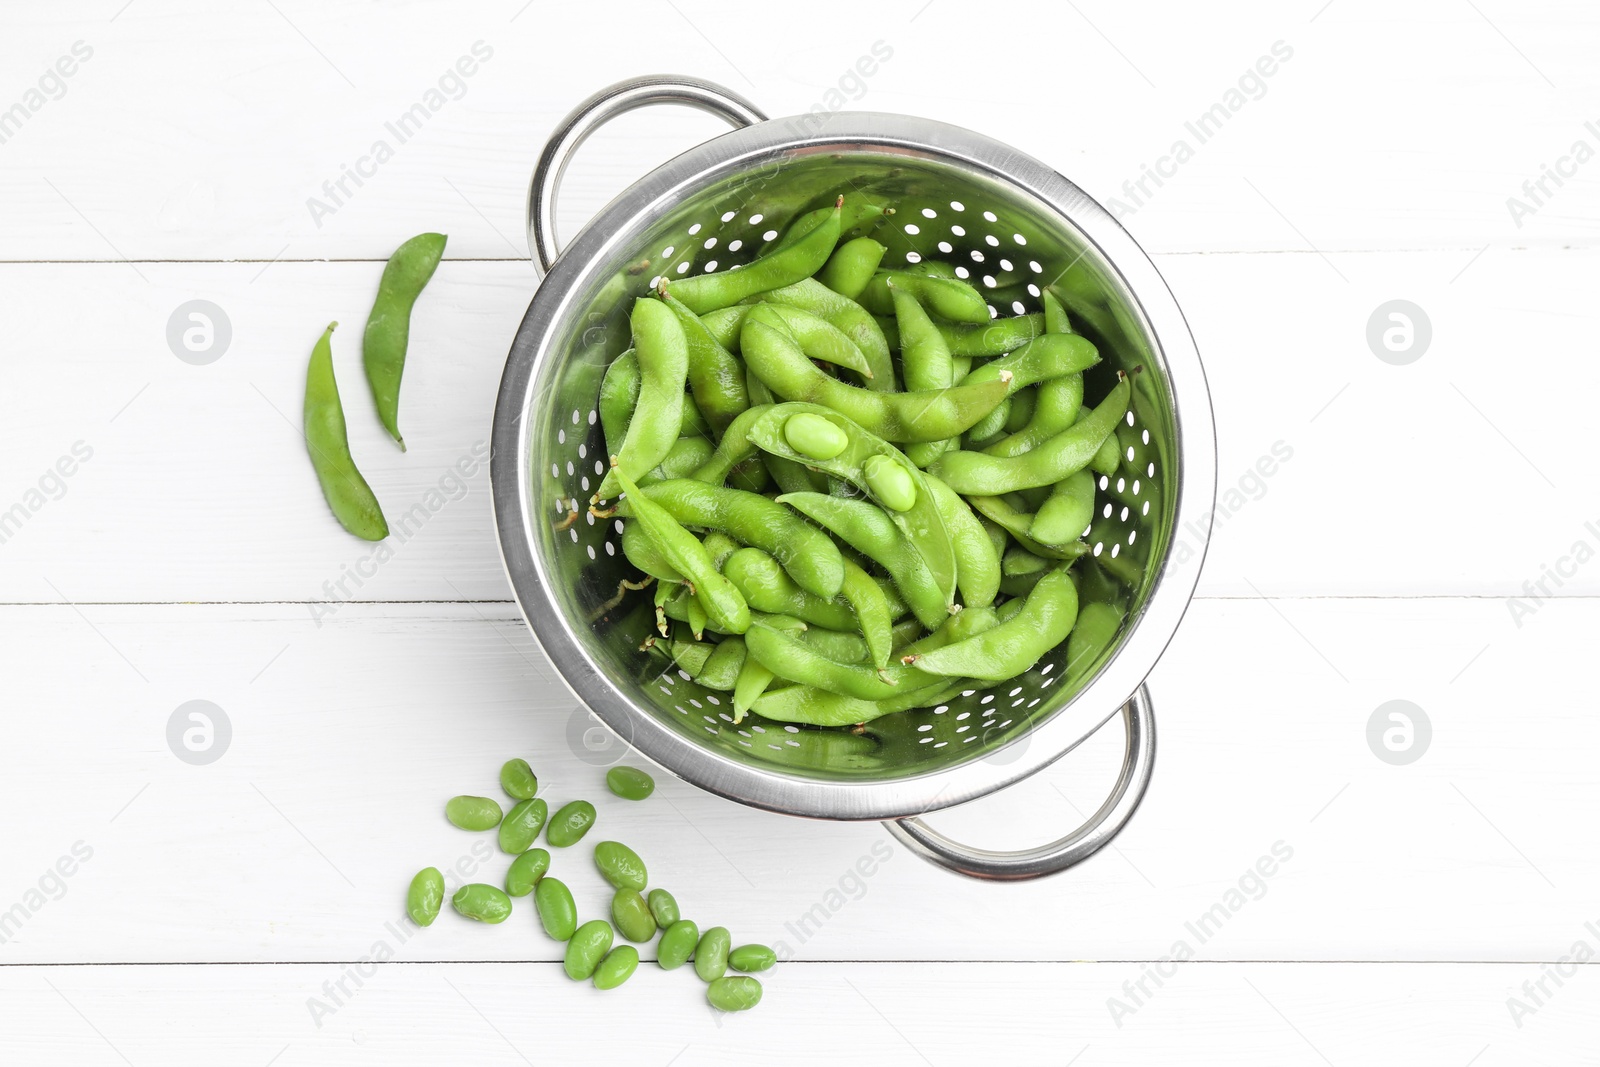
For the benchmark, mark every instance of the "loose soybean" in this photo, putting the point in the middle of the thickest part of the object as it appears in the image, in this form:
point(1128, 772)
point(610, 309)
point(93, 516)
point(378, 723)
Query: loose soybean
point(473, 813)
point(587, 948)
point(522, 825)
point(485, 903)
point(630, 783)
point(621, 866)
point(568, 825)
point(425, 896)
point(711, 954)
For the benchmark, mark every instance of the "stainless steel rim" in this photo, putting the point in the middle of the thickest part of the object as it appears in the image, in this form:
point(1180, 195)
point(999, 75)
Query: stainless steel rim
point(529, 372)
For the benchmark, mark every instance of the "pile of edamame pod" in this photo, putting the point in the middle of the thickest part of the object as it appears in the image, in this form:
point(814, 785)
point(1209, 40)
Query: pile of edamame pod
point(590, 954)
point(856, 490)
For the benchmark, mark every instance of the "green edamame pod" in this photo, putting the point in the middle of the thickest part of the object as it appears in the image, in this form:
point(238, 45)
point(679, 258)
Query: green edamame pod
point(977, 565)
point(1097, 626)
point(677, 945)
point(643, 553)
point(1014, 646)
point(685, 553)
point(805, 552)
point(849, 316)
point(619, 392)
point(1107, 457)
point(869, 530)
point(1057, 407)
point(567, 826)
point(716, 379)
point(522, 825)
point(664, 907)
point(838, 645)
point(817, 707)
point(620, 865)
point(473, 813)
point(752, 958)
point(617, 967)
point(722, 667)
point(733, 449)
point(518, 779)
point(424, 896)
point(1066, 513)
point(484, 903)
point(734, 993)
point(656, 421)
point(630, 783)
point(788, 656)
point(687, 455)
point(711, 954)
point(851, 266)
point(1045, 357)
point(346, 491)
point(1066, 452)
point(772, 355)
point(525, 871)
point(558, 912)
point(1055, 316)
point(966, 340)
point(1016, 523)
point(948, 298)
point(986, 429)
point(586, 949)
point(871, 609)
point(917, 516)
point(1019, 562)
point(783, 266)
point(765, 587)
point(1022, 405)
point(631, 916)
point(819, 339)
point(924, 361)
point(383, 347)
point(752, 682)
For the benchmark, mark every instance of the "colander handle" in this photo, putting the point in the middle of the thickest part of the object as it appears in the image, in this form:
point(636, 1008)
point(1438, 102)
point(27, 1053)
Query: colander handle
point(1139, 757)
point(594, 113)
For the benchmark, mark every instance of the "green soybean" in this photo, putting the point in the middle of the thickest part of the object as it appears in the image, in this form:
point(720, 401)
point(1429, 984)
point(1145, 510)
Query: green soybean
point(617, 967)
point(632, 916)
point(522, 825)
point(425, 896)
point(750, 958)
point(814, 436)
point(630, 783)
point(734, 993)
point(711, 954)
point(558, 912)
point(620, 865)
point(783, 266)
point(890, 482)
point(677, 945)
point(383, 347)
point(473, 813)
point(664, 906)
point(485, 903)
point(518, 779)
point(525, 871)
point(568, 825)
point(587, 948)
point(657, 417)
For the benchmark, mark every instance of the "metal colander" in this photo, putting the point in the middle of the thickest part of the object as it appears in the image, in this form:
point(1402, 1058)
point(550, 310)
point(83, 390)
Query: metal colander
point(1010, 226)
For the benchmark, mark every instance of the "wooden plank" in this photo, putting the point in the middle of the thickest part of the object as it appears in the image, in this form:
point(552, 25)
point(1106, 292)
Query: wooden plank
point(888, 1013)
point(199, 487)
point(1455, 108)
point(298, 842)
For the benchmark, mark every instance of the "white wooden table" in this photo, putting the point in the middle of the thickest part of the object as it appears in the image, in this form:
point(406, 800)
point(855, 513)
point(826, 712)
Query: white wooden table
point(229, 912)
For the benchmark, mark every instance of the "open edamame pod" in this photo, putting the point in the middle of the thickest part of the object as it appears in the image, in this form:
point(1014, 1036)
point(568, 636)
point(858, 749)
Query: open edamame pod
point(883, 471)
point(347, 492)
point(383, 346)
